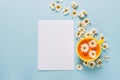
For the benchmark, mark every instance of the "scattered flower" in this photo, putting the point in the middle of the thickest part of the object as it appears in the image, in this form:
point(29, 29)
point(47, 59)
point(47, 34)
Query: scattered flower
point(79, 34)
point(87, 21)
point(74, 13)
point(84, 48)
point(104, 46)
point(82, 29)
point(85, 63)
point(79, 67)
point(93, 31)
point(81, 23)
point(99, 62)
point(92, 54)
point(52, 6)
point(91, 64)
point(87, 34)
point(74, 5)
point(58, 7)
point(82, 14)
point(66, 11)
point(92, 43)
point(102, 37)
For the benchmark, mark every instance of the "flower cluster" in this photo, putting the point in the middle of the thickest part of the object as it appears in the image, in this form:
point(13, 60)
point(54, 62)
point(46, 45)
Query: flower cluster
point(86, 48)
point(83, 32)
point(97, 63)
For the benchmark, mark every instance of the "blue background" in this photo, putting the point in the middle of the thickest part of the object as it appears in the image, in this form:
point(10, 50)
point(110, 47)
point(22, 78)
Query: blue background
point(18, 39)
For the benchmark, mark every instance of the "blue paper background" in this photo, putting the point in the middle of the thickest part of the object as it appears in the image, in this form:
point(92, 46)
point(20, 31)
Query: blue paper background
point(18, 39)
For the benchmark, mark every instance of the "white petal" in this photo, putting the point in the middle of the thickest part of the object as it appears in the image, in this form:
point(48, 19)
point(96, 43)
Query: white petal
point(52, 6)
point(79, 67)
point(84, 48)
point(92, 54)
point(92, 43)
point(74, 4)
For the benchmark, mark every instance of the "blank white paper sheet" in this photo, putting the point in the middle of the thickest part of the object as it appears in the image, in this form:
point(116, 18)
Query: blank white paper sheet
point(56, 45)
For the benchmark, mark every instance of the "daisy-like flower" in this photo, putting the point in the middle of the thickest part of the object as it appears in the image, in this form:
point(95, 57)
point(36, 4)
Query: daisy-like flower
point(81, 24)
point(86, 21)
point(82, 14)
point(79, 34)
point(92, 54)
point(93, 31)
point(58, 7)
point(102, 37)
point(79, 67)
point(74, 13)
point(85, 63)
point(92, 43)
point(59, 1)
point(74, 5)
point(104, 46)
point(52, 6)
point(66, 11)
point(84, 48)
point(87, 34)
point(82, 29)
point(91, 64)
point(99, 62)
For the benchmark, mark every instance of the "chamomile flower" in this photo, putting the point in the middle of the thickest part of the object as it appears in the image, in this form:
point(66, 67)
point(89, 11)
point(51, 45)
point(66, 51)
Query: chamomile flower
point(84, 48)
point(59, 1)
point(92, 43)
point(81, 24)
point(91, 64)
point(74, 13)
point(82, 14)
point(82, 29)
point(99, 62)
point(58, 7)
point(93, 31)
point(85, 63)
point(86, 21)
point(87, 34)
point(79, 34)
point(104, 46)
point(102, 37)
point(74, 5)
point(52, 6)
point(66, 11)
point(92, 54)
point(79, 67)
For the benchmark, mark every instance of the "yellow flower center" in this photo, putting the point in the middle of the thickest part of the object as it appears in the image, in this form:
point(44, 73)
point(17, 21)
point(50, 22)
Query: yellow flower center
point(74, 13)
point(58, 7)
point(79, 66)
point(66, 10)
point(86, 21)
point(102, 37)
point(92, 43)
point(84, 47)
point(53, 4)
point(105, 46)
